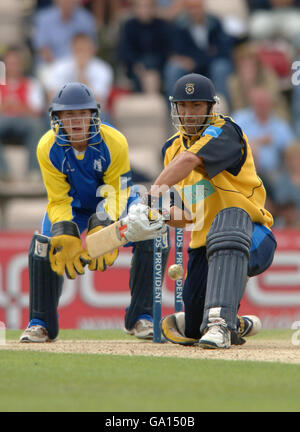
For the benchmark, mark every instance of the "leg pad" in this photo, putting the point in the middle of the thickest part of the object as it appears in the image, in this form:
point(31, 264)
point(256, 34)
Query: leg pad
point(45, 285)
point(228, 245)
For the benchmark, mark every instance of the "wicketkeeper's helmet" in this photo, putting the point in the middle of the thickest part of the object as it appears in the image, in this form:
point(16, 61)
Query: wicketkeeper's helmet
point(192, 88)
point(74, 96)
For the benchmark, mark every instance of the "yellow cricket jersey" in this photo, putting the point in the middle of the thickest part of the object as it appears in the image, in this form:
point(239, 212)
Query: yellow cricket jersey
point(228, 180)
point(98, 176)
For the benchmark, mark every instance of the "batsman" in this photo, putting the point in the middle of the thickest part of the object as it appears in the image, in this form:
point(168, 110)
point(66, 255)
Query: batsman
point(86, 172)
point(210, 163)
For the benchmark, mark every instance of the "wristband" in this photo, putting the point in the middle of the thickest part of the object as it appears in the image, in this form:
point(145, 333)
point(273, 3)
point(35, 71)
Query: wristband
point(65, 228)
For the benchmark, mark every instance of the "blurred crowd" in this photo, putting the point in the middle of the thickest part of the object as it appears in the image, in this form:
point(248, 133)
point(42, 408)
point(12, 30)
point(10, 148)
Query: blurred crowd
point(249, 48)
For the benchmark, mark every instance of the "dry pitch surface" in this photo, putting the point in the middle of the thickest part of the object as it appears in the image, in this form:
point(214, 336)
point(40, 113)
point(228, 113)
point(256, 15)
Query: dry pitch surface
point(254, 349)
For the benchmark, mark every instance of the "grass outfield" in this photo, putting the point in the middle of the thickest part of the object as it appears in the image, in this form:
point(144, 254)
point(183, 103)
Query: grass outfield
point(35, 381)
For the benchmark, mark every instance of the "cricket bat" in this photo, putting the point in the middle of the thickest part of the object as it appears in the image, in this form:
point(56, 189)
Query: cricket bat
point(110, 238)
point(106, 240)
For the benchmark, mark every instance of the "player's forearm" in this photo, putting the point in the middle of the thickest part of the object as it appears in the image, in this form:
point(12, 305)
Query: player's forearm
point(178, 169)
point(60, 210)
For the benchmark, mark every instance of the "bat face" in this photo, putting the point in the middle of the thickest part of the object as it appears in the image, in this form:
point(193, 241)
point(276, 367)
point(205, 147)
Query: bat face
point(106, 240)
point(110, 238)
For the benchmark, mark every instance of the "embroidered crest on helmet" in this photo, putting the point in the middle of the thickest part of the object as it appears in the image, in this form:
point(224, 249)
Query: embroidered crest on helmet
point(190, 88)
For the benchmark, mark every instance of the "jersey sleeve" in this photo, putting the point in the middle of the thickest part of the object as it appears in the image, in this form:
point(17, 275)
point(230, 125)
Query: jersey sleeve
point(117, 179)
point(59, 201)
point(220, 148)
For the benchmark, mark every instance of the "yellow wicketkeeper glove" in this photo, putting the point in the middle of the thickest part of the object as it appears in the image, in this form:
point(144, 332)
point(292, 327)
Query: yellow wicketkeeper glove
point(100, 263)
point(66, 253)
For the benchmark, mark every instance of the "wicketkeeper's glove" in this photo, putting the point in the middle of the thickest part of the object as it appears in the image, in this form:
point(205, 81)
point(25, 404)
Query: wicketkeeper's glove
point(102, 262)
point(66, 252)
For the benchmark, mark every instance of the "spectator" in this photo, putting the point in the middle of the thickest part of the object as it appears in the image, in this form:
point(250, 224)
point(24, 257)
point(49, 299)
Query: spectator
point(55, 26)
point(234, 15)
point(144, 46)
point(268, 134)
point(40, 4)
point(250, 72)
point(109, 15)
point(200, 45)
point(287, 187)
point(82, 66)
point(12, 23)
point(274, 18)
point(21, 109)
point(108, 12)
point(169, 9)
point(254, 5)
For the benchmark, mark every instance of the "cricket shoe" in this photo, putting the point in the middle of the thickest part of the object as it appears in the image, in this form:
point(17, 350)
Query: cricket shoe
point(248, 325)
point(217, 335)
point(142, 329)
point(173, 329)
point(35, 333)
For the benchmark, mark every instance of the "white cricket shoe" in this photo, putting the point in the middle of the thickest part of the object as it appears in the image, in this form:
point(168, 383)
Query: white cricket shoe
point(36, 333)
point(142, 329)
point(217, 335)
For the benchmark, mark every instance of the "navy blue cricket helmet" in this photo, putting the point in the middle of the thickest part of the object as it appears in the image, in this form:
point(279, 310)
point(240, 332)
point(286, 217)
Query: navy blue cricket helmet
point(193, 88)
point(73, 96)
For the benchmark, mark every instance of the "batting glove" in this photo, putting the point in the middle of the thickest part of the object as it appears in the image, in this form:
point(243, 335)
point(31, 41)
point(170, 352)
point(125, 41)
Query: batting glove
point(143, 224)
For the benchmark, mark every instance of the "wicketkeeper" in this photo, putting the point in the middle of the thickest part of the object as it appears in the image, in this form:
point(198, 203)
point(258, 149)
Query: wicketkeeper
point(86, 172)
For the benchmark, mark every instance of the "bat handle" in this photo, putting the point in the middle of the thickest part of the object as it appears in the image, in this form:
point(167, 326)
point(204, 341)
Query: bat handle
point(153, 214)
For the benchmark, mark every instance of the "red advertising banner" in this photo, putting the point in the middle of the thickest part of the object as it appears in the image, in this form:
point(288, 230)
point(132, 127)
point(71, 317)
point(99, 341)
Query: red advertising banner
point(98, 300)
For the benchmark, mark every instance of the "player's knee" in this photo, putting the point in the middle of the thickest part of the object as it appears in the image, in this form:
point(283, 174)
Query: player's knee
point(262, 254)
point(230, 229)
